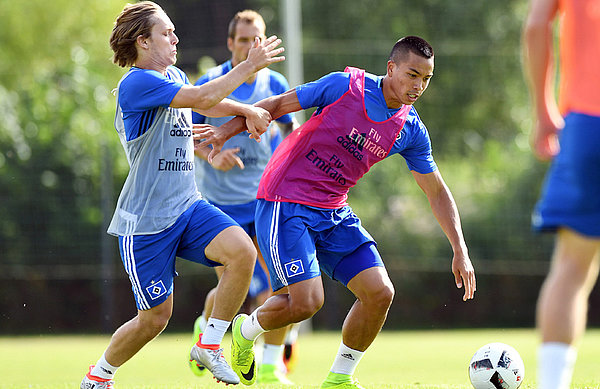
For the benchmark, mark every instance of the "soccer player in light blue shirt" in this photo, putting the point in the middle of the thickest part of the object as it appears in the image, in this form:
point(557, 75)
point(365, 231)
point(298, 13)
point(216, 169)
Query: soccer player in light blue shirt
point(160, 214)
point(231, 181)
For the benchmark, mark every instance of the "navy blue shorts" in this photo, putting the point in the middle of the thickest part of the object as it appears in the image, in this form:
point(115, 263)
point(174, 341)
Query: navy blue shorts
point(149, 260)
point(298, 242)
point(571, 193)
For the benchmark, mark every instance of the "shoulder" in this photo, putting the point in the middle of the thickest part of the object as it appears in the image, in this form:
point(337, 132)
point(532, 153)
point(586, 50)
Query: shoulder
point(139, 76)
point(138, 81)
point(178, 75)
point(339, 79)
point(372, 79)
point(277, 78)
point(413, 119)
point(414, 126)
point(214, 72)
point(323, 91)
point(342, 77)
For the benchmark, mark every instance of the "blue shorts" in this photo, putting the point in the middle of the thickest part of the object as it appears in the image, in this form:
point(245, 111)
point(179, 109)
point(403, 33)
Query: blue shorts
point(571, 193)
point(259, 282)
point(243, 214)
point(149, 260)
point(298, 242)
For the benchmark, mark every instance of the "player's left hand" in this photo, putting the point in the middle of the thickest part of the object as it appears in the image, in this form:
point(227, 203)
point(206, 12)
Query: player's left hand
point(205, 135)
point(257, 121)
point(464, 275)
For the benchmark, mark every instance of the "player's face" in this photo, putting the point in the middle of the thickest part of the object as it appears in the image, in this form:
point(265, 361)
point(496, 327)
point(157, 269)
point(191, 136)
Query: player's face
point(242, 42)
point(163, 41)
point(407, 80)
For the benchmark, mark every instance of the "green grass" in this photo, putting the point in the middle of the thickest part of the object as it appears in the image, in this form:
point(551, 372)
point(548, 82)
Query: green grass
point(397, 359)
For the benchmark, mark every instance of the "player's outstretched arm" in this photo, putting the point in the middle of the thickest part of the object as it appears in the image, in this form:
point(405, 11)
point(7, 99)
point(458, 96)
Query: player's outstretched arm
point(206, 96)
point(276, 106)
point(445, 211)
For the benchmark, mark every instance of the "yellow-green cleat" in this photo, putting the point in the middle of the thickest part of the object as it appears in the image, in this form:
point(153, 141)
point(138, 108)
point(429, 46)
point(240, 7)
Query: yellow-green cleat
point(242, 353)
point(270, 374)
point(341, 381)
point(199, 324)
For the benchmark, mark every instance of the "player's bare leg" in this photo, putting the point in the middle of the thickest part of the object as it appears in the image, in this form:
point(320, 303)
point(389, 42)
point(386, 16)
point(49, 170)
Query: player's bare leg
point(137, 332)
point(293, 304)
point(562, 308)
point(374, 292)
point(562, 305)
point(234, 249)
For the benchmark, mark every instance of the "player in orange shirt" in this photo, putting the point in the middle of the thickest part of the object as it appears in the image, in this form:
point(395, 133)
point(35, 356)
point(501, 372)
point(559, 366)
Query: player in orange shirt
point(569, 134)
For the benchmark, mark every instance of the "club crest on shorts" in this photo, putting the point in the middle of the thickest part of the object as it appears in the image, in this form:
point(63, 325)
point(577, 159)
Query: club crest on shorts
point(294, 268)
point(156, 290)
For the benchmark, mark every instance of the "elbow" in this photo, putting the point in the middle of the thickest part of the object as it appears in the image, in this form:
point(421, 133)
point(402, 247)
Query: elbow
point(207, 101)
point(534, 30)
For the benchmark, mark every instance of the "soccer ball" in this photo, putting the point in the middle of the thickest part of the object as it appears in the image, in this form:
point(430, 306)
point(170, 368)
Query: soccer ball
point(496, 366)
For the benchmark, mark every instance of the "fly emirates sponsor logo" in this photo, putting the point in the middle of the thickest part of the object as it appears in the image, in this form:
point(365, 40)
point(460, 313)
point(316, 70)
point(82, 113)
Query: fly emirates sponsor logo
point(181, 129)
point(177, 164)
point(355, 143)
point(329, 166)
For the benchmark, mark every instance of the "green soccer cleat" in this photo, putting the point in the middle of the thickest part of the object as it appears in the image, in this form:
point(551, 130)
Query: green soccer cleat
point(196, 368)
point(270, 374)
point(242, 353)
point(341, 381)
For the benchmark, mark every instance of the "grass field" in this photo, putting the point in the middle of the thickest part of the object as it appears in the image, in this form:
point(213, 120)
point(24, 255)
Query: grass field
point(397, 359)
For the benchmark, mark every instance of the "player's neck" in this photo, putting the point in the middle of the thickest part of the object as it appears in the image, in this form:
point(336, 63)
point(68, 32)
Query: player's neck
point(388, 95)
point(148, 63)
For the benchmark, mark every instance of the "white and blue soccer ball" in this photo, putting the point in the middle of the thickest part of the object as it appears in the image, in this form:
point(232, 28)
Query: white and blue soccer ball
point(496, 366)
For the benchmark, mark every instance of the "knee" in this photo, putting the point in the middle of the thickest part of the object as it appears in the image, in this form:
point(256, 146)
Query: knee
point(242, 256)
point(154, 323)
point(381, 297)
point(302, 309)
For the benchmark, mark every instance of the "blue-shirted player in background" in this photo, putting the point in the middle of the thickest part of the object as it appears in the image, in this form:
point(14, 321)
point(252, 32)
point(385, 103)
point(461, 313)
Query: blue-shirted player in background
point(160, 213)
point(230, 182)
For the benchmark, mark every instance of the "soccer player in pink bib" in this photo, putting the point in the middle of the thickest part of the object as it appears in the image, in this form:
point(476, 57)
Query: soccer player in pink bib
point(304, 224)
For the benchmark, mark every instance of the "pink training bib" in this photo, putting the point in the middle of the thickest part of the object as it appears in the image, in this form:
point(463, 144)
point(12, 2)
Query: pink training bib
point(318, 163)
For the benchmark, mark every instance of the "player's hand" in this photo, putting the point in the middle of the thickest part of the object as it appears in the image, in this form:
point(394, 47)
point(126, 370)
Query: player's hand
point(544, 138)
point(464, 275)
point(257, 121)
point(264, 52)
point(227, 159)
point(206, 135)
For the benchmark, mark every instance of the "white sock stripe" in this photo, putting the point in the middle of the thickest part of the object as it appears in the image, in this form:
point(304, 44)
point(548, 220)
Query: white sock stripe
point(274, 243)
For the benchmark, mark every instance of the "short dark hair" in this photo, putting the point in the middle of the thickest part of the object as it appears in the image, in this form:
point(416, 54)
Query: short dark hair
point(135, 20)
point(410, 44)
point(246, 16)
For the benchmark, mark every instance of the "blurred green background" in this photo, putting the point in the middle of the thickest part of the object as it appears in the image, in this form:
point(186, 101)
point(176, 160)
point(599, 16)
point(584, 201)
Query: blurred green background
point(62, 167)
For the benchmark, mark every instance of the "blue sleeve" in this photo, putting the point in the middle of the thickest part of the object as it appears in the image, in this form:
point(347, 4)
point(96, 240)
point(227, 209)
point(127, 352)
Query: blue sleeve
point(414, 145)
point(145, 90)
point(419, 156)
point(324, 91)
point(196, 117)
